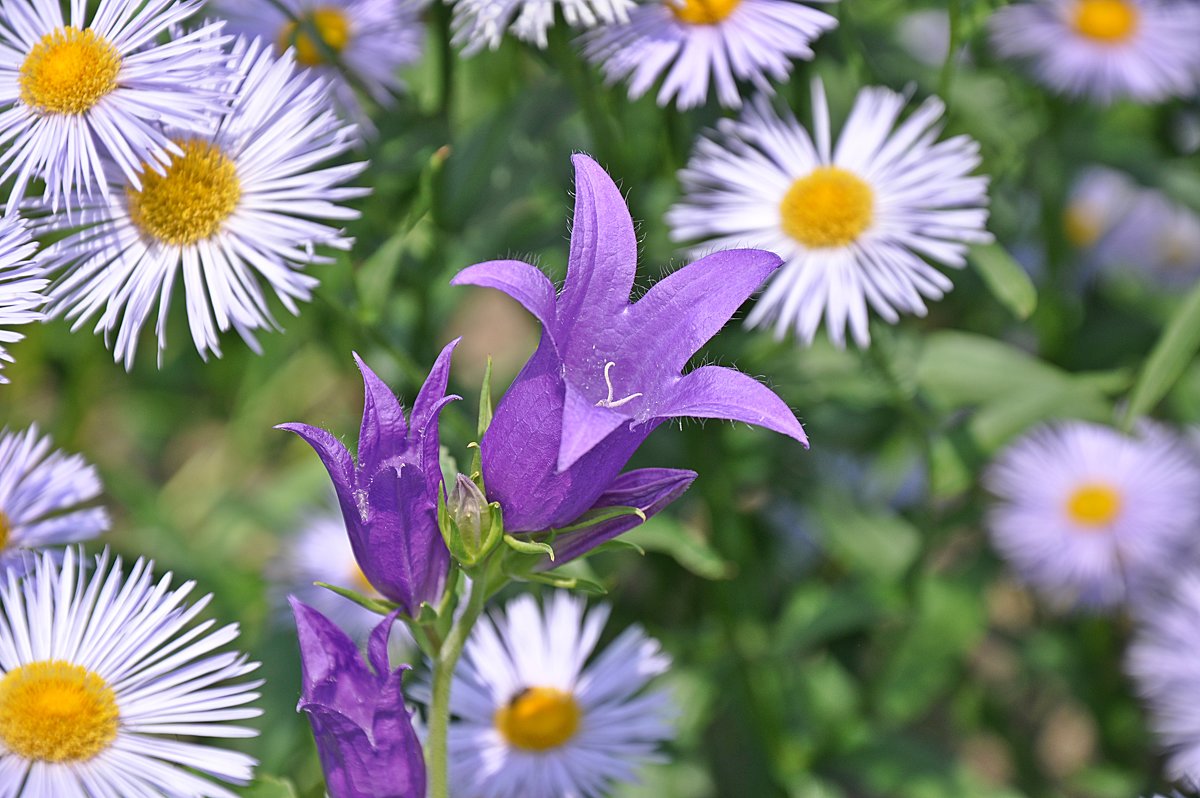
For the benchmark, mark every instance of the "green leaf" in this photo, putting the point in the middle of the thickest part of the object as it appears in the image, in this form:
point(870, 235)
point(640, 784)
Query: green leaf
point(485, 400)
point(665, 535)
point(616, 544)
point(593, 517)
point(1005, 278)
point(1170, 356)
point(869, 541)
point(564, 582)
point(270, 787)
point(381, 606)
point(529, 546)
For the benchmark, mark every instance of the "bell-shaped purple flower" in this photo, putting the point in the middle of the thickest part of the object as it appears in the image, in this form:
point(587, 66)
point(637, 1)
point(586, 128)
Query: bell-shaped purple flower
point(389, 497)
point(608, 371)
point(364, 733)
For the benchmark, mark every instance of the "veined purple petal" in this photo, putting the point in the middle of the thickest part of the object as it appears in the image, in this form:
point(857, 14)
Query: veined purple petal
point(648, 489)
point(717, 392)
point(332, 672)
point(689, 306)
point(584, 426)
point(400, 550)
point(521, 281)
point(383, 433)
point(431, 398)
point(603, 259)
point(333, 454)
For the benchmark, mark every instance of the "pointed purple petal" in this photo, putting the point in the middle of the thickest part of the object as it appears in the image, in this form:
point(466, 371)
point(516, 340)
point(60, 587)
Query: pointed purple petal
point(377, 644)
point(382, 434)
point(648, 489)
point(520, 280)
point(603, 260)
point(429, 399)
point(688, 307)
point(401, 770)
point(333, 454)
point(716, 392)
point(332, 671)
point(584, 426)
point(346, 754)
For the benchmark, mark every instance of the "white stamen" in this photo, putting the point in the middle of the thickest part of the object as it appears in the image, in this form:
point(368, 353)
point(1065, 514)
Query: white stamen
point(608, 401)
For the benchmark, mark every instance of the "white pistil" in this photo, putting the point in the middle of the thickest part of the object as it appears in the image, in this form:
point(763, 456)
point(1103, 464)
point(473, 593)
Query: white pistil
point(608, 400)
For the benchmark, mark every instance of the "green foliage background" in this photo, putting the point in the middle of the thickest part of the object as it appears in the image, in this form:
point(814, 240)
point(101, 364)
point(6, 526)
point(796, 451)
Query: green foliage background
point(839, 624)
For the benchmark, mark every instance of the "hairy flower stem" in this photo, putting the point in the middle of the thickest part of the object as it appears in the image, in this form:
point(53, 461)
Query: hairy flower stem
point(436, 754)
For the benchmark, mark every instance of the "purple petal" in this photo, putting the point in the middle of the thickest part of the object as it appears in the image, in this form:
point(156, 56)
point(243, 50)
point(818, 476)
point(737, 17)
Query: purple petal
point(584, 426)
point(429, 401)
point(716, 392)
point(688, 307)
point(331, 667)
point(333, 454)
point(401, 552)
point(346, 754)
point(521, 281)
point(401, 767)
point(377, 644)
point(603, 259)
point(382, 434)
point(648, 489)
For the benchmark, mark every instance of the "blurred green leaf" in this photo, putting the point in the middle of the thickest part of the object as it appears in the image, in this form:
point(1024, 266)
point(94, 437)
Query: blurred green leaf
point(270, 787)
point(666, 535)
point(1005, 278)
point(867, 540)
point(1170, 356)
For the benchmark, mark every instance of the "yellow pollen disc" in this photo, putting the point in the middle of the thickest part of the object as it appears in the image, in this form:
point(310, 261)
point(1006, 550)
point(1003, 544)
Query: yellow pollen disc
point(1094, 504)
point(68, 71)
point(332, 26)
point(538, 719)
point(5, 530)
point(1081, 228)
point(56, 712)
point(702, 12)
point(829, 208)
point(1107, 21)
point(191, 201)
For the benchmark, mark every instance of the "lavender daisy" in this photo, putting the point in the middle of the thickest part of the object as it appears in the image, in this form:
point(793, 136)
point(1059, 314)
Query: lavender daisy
point(1100, 198)
point(1089, 515)
point(1105, 50)
point(78, 91)
point(1164, 664)
point(22, 284)
point(1156, 237)
point(371, 40)
point(43, 497)
point(535, 721)
point(482, 23)
point(101, 676)
point(695, 42)
point(233, 210)
point(857, 221)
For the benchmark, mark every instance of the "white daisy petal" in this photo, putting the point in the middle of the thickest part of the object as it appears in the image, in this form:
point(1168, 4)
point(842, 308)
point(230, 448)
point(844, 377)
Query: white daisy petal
point(854, 219)
point(535, 719)
point(89, 641)
point(22, 284)
point(237, 209)
point(479, 24)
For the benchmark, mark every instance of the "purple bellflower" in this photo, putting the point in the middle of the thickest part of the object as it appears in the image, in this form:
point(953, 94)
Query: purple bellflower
point(364, 733)
point(389, 497)
point(606, 373)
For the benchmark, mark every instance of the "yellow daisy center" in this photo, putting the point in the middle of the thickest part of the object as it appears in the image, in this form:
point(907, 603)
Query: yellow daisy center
point(190, 202)
point(538, 719)
point(332, 26)
point(702, 12)
point(69, 71)
point(1094, 504)
point(5, 530)
point(56, 712)
point(829, 208)
point(1107, 21)
point(1081, 228)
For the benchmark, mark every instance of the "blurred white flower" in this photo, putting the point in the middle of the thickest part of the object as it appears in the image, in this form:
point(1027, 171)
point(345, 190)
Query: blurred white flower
point(482, 23)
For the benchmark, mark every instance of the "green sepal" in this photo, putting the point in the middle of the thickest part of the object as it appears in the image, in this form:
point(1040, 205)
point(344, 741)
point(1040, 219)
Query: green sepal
point(616, 544)
point(566, 582)
point(427, 614)
point(529, 547)
point(485, 400)
point(381, 606)
point(593, 517)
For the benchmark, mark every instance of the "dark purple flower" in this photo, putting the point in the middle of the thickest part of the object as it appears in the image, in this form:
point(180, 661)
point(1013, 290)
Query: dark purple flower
point(607, 372)
point(389, 498)
point(364, 733)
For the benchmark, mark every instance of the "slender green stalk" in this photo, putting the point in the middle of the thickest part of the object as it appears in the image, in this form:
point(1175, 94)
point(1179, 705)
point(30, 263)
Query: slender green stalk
point(436, 754)
point(948, 66)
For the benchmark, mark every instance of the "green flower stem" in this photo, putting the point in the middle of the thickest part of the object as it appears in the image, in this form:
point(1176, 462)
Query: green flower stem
point(954, 10)
point(436, 754)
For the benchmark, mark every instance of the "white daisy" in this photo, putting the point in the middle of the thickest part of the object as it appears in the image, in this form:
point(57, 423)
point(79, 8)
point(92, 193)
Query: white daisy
point(236, 209)
point(481, 23)
point(1099, 199)
point(22, 284)
point(101, 676)
point(1154, 236)
point(855, 221)
point(42, 497)
point(1164, 661)
point(695, 41)
point(370, 38)
point(77, 91)
point(535, 721)
point(1090, 515)
point(1143, 50)
point(321, 552)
